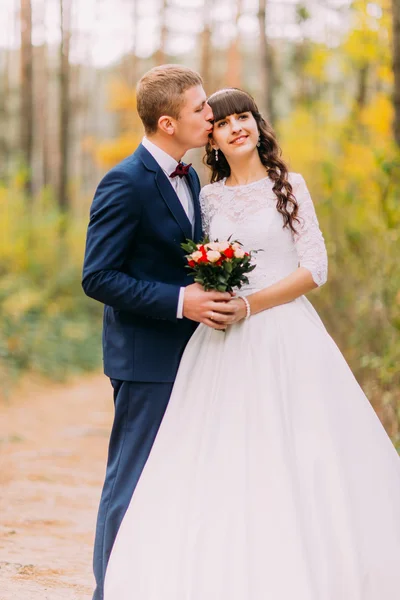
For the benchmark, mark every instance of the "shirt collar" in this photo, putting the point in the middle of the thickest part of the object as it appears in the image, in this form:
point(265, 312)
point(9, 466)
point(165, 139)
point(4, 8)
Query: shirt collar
point(166, 162)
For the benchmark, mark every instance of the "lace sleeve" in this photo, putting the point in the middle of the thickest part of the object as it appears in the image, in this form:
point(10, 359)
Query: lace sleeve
point(309, 241)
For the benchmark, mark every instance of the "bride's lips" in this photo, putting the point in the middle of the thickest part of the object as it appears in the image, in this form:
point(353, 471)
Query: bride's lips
point(239, 140)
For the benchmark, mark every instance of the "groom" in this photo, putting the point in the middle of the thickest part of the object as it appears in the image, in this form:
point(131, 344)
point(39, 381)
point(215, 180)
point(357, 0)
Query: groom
point(143, 209)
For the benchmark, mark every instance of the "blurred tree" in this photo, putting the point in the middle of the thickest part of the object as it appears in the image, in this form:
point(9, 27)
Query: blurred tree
point(26, 92)
point(42, 101)
point(396, 68)
point(366, 59)
point(129, 67)
point(64, 104)
point(4, 99)
point(123, 103)
point(206, 46)
point(234, 59)
point(161, 52)
point(266, 60)
point(301, 56)
point(133, 62)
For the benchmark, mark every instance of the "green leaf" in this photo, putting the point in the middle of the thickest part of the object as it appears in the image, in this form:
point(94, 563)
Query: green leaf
point(228, 266)
point(189, 246)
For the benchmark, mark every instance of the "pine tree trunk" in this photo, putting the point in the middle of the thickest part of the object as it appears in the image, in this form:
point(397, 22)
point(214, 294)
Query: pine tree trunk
point(44, 70)
point(362, 87)
point(266, 71)
point(133, 62)
point(4, 100)
point(26, 104)
point(234, 66)
point(206, 49)
point(64, 104)
point(161, 52)
point(396, 69)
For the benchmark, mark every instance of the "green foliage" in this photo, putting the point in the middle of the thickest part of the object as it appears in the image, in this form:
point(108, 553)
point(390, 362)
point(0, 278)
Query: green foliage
point(347, 154)
point(48, 325)
point(302, 13)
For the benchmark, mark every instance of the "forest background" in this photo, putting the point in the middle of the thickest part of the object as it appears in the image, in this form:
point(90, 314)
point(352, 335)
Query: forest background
point(325, 72)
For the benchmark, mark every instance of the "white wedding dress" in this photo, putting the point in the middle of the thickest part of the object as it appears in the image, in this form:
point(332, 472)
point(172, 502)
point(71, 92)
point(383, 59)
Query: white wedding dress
point(271, 477)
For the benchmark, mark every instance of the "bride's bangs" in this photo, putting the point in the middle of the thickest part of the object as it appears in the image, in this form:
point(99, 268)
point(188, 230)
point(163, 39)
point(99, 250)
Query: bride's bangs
point(230, 102)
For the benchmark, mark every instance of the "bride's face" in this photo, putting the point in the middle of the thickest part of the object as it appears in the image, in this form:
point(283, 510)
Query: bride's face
point(236, 135)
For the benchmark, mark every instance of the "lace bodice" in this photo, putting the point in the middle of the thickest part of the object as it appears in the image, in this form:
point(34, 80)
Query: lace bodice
point(248, 213)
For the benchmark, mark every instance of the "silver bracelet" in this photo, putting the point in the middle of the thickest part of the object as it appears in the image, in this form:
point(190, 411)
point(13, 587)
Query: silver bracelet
point(247, 303)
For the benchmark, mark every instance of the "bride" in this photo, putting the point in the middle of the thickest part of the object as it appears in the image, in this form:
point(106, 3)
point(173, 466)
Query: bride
point(271, 477)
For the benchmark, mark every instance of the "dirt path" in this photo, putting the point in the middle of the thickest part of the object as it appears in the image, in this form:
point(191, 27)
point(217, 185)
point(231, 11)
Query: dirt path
point(53, 445)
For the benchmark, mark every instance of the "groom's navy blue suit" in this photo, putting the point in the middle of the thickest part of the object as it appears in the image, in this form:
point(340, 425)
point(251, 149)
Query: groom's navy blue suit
point(135, 266)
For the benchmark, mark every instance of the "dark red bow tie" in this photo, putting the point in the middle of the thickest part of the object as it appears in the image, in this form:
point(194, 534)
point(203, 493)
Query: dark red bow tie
point(181, 170)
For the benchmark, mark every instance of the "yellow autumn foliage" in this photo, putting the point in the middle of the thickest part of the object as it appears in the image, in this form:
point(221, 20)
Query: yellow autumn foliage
point(370, 35)
point(317, 63)
point(352, 168)
point(122, 101)
point(110, 152)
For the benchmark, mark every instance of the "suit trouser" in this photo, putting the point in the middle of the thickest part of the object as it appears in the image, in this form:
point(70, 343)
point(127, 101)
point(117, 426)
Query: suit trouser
point(139, 409)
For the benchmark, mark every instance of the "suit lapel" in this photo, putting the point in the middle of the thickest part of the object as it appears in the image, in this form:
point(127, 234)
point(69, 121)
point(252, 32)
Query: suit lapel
point(166, 190)
point(173, 203)
point(171, 199)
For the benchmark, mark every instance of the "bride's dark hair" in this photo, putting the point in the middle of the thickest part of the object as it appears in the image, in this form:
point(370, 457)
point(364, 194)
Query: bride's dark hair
point(232, 101)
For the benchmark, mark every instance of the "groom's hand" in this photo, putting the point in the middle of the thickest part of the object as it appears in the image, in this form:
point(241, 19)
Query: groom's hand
point(211, 308)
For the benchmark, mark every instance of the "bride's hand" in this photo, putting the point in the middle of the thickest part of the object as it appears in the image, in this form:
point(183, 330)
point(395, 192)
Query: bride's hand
point(234, 317)
point(241, 312)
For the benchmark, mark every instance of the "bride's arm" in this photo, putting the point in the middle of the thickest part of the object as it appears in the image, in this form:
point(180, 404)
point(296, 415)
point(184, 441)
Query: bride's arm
point(311, 251)
point(291, 287)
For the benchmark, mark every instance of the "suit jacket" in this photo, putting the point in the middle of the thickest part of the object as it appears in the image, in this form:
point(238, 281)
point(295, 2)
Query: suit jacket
point(134, 265)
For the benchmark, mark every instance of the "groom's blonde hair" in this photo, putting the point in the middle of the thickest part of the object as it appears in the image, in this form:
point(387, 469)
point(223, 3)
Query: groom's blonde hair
point(160, 92)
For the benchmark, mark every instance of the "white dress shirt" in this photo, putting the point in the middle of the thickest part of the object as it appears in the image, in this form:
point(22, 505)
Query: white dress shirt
point(182, 190)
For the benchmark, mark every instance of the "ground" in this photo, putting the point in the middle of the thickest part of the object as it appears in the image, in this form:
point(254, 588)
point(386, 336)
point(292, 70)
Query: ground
point(53, 447)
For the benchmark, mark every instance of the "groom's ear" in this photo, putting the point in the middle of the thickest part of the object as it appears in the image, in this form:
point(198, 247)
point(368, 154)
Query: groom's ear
point(166, 124)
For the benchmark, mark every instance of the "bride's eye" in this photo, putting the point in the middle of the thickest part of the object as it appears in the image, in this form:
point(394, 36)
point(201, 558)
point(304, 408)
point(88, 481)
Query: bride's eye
point(245, 116)
point(221, 123)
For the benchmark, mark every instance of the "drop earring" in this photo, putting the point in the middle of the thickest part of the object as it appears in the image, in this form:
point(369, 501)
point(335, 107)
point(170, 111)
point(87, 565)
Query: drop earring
point(259, 142)
point(216, 154)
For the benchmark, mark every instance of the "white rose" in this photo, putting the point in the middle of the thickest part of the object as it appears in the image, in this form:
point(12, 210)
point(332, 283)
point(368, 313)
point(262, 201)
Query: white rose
point(213, 255)
point(223, 246)
point(239, 253)
point(195, 256)
point(214, 246)
point(235, 245)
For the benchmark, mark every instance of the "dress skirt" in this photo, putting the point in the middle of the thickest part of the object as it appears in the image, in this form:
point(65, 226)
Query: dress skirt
point(271, 477)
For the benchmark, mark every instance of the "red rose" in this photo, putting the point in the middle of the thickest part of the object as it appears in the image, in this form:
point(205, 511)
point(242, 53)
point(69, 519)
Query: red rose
point(229, 252)
point(246, 254)
point(192, 263)
point(203, 259)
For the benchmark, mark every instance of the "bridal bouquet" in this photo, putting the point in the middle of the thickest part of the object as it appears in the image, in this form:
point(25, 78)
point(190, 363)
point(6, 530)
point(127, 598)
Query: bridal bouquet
point(219, 266)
